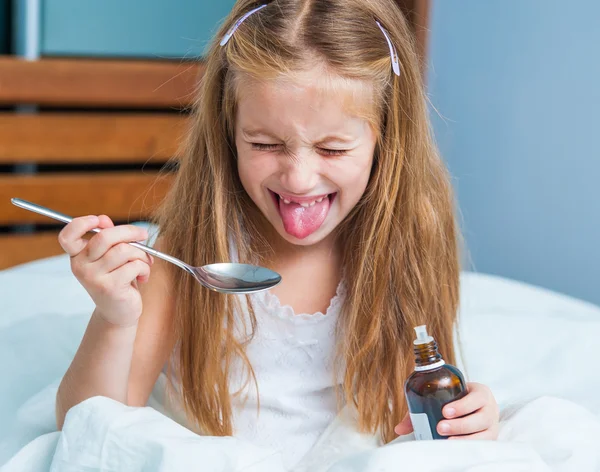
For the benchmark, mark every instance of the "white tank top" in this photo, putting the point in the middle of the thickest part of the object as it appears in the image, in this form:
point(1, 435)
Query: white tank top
point(293, 359)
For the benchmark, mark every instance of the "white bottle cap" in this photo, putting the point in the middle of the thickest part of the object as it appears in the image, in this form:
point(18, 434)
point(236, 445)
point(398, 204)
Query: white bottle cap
point(422, 336)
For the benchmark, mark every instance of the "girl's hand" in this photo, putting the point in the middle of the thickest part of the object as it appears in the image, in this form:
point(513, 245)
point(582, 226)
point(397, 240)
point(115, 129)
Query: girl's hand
point(108, 267)
point(475, 416)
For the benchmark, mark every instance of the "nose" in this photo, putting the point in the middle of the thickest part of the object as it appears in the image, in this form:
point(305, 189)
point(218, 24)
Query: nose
point(300, 173)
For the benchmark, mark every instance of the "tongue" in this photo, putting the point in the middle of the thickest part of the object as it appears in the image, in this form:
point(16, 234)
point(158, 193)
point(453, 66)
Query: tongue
point(300, 221)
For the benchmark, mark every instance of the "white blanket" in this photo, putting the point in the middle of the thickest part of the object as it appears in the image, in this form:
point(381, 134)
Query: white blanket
point(533, 347)
point(100, 434)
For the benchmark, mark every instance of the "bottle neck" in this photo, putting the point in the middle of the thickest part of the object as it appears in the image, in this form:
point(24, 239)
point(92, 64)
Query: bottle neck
point(427, 356)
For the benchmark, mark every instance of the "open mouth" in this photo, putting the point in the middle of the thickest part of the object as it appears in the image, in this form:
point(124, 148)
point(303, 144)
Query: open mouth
point(301, 217)
point(305, 201)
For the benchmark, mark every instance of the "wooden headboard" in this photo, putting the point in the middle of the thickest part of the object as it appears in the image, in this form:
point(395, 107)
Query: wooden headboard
point(85, 137)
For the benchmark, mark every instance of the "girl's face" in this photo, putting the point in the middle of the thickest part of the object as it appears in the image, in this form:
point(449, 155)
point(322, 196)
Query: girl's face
point(303, 157)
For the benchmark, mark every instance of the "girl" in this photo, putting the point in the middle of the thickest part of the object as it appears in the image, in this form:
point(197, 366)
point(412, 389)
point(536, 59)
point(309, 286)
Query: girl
point(309, 153)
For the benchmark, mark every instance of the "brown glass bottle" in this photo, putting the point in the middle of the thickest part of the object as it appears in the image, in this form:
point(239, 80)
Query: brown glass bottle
point(432, 385)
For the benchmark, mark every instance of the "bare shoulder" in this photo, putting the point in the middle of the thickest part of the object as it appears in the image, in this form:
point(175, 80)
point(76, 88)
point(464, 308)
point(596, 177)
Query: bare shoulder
point(155, 336)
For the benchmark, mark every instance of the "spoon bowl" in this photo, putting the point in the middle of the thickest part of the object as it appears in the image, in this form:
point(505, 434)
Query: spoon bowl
point(236, 278)
point(226, 277)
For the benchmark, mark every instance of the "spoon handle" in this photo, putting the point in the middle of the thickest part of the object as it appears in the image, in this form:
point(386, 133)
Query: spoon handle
point(67, 219)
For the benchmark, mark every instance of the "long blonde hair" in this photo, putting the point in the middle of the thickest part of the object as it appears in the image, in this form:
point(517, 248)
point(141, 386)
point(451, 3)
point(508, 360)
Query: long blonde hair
point(399, 242)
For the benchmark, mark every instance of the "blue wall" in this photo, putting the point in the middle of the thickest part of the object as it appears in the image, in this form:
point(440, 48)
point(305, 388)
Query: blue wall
point(125, 28)
point(4, 22)
point(518, 85)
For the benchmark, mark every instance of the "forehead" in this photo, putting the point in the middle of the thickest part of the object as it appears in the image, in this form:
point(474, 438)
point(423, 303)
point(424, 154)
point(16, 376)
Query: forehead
point(314, 95)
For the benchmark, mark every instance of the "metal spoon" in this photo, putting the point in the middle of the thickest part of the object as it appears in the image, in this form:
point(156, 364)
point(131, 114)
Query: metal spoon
point(223, 277)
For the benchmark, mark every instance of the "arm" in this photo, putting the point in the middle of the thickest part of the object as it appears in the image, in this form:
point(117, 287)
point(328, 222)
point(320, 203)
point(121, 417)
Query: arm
point(155, 338)
point(100, 367)
point(121, 353)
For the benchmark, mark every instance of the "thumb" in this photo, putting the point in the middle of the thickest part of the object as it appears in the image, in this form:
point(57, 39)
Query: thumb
point(404, 427)
point(105, 222)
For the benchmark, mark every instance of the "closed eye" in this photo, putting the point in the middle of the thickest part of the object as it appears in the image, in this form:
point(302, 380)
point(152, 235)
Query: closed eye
point(332, 152)
point(265, 147)
point(275, 147)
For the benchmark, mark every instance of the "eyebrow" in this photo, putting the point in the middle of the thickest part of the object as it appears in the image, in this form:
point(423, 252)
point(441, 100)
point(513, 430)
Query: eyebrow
point(255, 132)
point(337, 137)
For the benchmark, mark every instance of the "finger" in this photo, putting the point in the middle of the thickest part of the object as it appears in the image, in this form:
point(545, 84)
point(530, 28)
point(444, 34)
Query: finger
point(142, 279)
point(476, 398)
point(120, 254)
point(404, 427)
point(107, 238)
point(474, 423)
point(483, 435)
point(128, 273)
point(105, 222)
point(70, 237)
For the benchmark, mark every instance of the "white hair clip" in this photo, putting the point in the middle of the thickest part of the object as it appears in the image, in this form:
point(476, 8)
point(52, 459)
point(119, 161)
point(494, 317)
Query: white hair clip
point(393, 53)
point(237, 24)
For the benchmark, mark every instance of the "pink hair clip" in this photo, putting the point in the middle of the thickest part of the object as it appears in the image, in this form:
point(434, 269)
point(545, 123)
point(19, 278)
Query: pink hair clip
point(393, 53)
point(237, 24)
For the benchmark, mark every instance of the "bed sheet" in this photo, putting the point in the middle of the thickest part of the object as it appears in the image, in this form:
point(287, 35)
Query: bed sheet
point(523, 341)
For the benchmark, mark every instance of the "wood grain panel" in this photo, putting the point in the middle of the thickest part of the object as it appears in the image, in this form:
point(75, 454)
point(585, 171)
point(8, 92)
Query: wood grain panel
point(20, 248)
point(122, 196)
point(89, 138)
point(105, 83)
point(417, 13)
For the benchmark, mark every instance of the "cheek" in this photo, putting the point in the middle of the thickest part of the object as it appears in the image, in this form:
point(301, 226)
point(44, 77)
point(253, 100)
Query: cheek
point(365, 168)
point(353, 178)
point(254, 170)
point(242, 174)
